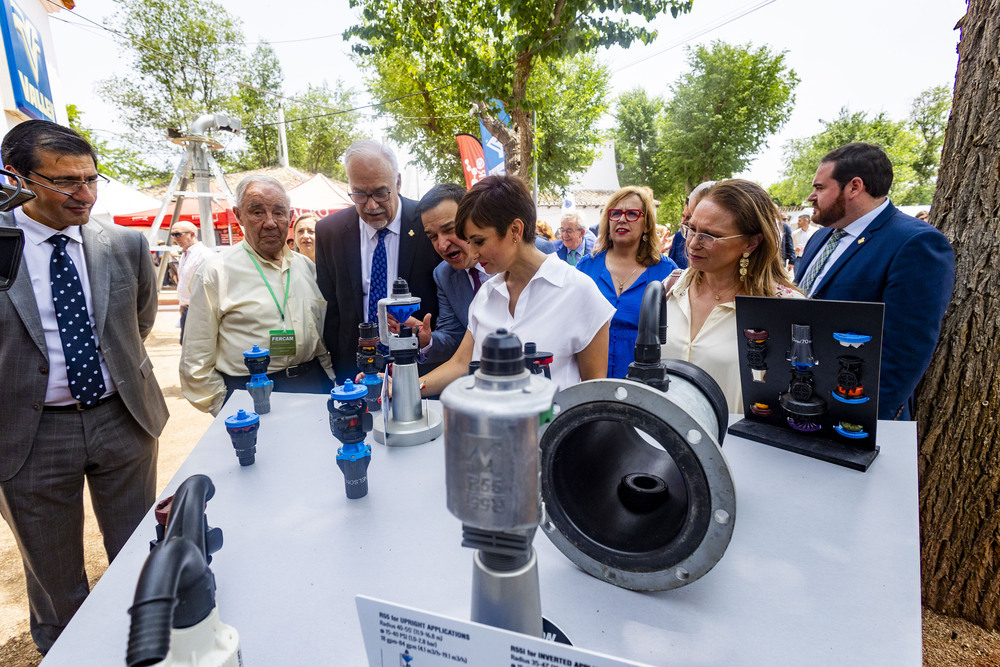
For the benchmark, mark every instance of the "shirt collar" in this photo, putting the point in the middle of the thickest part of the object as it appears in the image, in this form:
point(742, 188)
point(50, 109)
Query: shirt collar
point(552, 270)
point(37, 233)
point(286, 256)
point(395, 227)
point(858, 227)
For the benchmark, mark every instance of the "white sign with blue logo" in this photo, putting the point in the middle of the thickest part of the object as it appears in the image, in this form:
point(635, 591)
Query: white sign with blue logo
point(29, 76)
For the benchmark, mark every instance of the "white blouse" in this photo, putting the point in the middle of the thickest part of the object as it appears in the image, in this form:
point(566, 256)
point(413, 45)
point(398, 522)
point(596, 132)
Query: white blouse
point(560, 310)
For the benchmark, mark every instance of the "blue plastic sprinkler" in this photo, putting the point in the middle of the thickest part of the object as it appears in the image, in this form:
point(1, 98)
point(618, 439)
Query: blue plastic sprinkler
point(349, 422)
point(259, 386)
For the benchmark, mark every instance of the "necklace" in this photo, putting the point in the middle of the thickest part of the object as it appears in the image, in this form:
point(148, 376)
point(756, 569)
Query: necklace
point(621, 283)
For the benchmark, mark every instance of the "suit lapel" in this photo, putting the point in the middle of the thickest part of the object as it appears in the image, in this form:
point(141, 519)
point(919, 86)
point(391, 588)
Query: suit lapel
point(350, 241)
point(857, 245)
point(97, 250)
point(407, 239)
point(22, 297)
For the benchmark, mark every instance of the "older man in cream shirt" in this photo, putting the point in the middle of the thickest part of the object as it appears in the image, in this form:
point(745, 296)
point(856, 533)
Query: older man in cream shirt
point(256, 292)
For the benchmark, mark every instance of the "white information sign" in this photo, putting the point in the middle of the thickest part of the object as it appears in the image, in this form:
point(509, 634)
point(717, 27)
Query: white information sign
point(405, 637)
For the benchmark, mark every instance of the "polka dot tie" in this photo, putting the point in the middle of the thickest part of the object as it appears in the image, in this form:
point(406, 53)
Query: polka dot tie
point(83, 366)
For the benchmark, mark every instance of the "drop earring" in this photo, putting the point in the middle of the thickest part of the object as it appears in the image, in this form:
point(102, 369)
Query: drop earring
point(744, 263)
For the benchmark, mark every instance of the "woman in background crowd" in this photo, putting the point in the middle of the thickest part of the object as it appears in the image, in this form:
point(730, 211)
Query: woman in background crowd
point(539, 297)
point(733, 248)
point(625, 259)
point(304, 232)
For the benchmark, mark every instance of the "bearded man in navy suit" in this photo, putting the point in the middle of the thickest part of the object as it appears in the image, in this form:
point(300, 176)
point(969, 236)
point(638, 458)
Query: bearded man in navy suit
point(882, 255)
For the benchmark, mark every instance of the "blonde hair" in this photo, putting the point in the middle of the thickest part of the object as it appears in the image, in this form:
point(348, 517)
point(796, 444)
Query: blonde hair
point(648, 252)
point(754, 214)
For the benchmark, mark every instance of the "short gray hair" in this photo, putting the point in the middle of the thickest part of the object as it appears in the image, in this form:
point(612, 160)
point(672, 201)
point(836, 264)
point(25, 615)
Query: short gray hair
point(700, 191)
point(575, 217)
point(366, 148)
point(241, 187)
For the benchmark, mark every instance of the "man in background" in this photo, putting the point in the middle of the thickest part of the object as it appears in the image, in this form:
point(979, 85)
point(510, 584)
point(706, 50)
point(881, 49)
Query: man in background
point(193, 253)
point(574, 243)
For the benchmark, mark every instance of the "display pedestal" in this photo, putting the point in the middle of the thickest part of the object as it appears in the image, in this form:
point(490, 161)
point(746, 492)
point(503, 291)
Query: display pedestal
point(824, 449)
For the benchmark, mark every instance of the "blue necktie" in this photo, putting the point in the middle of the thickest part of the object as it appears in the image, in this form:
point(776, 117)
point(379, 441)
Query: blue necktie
point(83, 366)
point(817, 265)
point(377, 284)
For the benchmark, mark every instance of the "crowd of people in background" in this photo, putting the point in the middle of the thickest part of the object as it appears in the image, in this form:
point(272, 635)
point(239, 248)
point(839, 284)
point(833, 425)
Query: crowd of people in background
point(86, 405)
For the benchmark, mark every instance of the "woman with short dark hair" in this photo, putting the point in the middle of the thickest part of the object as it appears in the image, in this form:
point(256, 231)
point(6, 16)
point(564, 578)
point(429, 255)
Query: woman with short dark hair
point(536, 296)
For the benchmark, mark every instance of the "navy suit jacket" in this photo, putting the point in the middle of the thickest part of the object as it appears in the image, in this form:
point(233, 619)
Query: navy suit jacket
point(910, 267)
point(787, 245)
point(454, 291)
point(338, 274)
point(587, 245)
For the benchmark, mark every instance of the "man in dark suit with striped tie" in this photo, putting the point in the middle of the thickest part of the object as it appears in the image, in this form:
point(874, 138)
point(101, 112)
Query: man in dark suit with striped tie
point(78, 398)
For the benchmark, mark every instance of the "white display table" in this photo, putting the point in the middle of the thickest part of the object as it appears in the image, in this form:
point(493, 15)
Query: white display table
point(823, 567)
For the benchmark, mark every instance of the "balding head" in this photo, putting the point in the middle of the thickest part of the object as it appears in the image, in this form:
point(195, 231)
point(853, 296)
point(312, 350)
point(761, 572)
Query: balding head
point(184, 234)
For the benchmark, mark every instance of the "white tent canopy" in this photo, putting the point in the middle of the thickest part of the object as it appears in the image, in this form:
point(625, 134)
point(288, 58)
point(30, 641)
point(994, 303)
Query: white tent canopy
point(117, 198)
point(320, 195)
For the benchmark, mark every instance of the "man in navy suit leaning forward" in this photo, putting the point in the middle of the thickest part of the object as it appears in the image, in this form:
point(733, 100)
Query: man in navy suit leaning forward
point(458, 277)
point(871, 251)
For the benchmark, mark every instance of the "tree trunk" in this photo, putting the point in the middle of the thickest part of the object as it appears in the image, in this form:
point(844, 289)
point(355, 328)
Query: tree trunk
point(959, 398)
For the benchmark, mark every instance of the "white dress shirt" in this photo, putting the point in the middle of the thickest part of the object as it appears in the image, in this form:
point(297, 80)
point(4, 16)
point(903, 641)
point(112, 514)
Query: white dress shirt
point(854, 232)
point(189, 262)
point(369, 239)
point(37, 256)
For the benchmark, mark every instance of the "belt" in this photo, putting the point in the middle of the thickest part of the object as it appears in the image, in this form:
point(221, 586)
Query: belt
point(79, 407)
point(296, 371)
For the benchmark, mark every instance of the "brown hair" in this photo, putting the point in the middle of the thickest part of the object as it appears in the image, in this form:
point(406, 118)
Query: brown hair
point(648, 252)
point(754, 214)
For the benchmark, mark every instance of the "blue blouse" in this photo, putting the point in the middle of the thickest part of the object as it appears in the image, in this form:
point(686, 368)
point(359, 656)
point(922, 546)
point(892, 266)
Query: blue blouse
point(625, 324)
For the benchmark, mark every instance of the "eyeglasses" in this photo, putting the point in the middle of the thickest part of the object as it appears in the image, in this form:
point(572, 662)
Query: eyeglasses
point(380, 196)
point(632, 214)
point(69, 186)
point(568, 232)
point(706, 241)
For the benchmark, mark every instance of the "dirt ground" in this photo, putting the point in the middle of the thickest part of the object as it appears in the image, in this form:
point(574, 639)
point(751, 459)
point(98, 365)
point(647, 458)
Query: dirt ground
point(183, 430)
point(948, 641)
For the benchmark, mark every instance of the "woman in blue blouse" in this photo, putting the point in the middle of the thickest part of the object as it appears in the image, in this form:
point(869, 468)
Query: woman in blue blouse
point(625, 258)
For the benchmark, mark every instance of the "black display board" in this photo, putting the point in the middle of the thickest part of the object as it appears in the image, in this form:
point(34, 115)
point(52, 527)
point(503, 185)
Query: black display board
point(835, 419)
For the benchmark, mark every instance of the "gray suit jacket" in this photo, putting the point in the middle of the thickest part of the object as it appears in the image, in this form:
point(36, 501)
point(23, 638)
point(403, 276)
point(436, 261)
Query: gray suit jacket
point(454, 297)
point(123, 286)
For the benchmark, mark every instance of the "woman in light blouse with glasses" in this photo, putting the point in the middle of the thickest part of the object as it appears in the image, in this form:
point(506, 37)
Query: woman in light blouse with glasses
point(625, 259)
point(732, 246)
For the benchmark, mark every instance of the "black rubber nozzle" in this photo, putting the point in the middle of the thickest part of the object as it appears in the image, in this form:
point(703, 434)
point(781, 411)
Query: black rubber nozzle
point(502, 354)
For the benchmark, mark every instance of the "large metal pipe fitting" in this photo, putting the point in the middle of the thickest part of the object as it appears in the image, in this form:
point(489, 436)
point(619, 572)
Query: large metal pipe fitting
point(635, 488)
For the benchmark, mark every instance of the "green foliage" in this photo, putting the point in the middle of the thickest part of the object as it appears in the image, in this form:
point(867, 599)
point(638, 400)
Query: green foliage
point(637, 142)
point(118, 162)
point(802, 156)
point(318, 135)
point(174, 50)
point(928, 120)
point(723, 110)
point(479, 50)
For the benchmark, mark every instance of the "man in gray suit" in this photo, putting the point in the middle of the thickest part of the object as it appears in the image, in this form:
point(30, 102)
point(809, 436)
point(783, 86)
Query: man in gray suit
point(458, 277)
point(78, 398)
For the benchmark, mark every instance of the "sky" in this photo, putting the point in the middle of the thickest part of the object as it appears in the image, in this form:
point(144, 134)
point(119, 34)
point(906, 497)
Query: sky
point(868, 55)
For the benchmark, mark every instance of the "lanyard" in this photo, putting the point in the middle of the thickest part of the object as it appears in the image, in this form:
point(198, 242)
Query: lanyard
point(288, 281)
